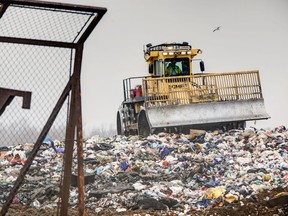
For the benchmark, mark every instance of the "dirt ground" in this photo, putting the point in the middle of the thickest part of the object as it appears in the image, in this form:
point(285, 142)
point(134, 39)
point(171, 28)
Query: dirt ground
point(243, 208)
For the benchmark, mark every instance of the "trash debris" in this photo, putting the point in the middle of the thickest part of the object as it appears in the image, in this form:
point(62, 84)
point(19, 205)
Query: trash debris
point(163, 172)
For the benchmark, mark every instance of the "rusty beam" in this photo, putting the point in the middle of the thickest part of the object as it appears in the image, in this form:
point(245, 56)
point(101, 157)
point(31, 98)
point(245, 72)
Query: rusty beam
point(37, 42)
point(81, 181)
point(92, 25)
point(75, 122)
point(68, 155)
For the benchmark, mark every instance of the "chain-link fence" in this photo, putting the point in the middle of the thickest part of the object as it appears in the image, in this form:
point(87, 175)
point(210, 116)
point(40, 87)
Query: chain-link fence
point(41, 46)
point(44, 71)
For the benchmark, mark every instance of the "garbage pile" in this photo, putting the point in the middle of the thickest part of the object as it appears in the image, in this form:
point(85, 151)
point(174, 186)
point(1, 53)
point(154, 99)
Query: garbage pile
point(164, 172)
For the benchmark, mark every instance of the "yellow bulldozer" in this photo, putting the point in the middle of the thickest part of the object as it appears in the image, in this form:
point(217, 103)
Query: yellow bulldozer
point(173, 98)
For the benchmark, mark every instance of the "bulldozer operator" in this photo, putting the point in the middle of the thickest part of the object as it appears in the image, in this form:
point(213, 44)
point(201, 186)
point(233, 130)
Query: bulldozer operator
point(172, 69)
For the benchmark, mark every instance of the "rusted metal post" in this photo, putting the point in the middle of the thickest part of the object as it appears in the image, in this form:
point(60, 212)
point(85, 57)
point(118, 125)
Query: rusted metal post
point(68, 155)
point(75, 122)
point(81, 192)
point(80, 181)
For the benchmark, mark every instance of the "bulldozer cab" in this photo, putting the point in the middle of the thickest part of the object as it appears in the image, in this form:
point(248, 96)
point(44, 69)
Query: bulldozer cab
point(171, 59)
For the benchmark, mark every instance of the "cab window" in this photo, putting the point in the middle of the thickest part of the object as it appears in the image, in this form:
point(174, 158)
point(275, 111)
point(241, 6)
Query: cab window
point(177, 66)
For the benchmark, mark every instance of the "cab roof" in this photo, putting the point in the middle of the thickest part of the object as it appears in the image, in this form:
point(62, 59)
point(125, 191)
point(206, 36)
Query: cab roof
point(167, 47)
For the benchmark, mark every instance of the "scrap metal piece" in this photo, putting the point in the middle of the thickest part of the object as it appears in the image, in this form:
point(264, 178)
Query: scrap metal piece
point(7, 95)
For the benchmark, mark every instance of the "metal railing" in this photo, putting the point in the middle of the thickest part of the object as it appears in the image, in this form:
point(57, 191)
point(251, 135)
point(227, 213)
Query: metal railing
point(129, 85)
point(202, 88)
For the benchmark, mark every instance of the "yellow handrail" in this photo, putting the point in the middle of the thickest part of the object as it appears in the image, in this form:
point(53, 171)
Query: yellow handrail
point(202, 88)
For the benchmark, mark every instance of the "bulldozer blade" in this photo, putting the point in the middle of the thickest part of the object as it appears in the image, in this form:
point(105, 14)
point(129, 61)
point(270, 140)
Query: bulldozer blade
point(206, 113)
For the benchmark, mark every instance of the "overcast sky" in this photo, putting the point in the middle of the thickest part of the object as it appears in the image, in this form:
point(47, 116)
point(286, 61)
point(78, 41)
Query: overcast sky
point(253, 36)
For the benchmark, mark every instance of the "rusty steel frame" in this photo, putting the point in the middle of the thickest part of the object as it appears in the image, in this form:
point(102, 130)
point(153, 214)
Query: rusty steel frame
point(75, 113)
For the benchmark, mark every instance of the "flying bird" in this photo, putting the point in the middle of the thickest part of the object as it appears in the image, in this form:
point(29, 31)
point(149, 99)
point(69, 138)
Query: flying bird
point(218, 28)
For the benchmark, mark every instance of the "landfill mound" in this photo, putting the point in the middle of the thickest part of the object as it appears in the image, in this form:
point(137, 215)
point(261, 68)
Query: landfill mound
point(238, 172)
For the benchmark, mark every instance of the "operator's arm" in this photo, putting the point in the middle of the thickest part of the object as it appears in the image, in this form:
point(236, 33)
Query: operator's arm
point(167, 71)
